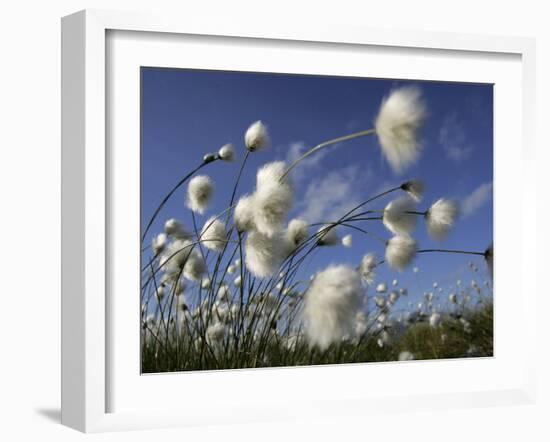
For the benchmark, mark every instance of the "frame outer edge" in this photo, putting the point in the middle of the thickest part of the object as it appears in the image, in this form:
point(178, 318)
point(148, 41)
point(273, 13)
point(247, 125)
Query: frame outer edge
point(83, 188)
point(73, 370)
point(531, 208)
point(83, 234)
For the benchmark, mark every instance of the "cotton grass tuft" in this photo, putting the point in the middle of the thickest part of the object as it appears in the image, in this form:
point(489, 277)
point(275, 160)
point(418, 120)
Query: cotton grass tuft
point(214, 235)
point(199, 193)
point(441, 217)
point(397, 217)
point(227, 153)
point(400, 251)
point(256, 137)
point(331, 305)
point(264, 254)
point(273, 198)
point(401, 115)
point(367, 267)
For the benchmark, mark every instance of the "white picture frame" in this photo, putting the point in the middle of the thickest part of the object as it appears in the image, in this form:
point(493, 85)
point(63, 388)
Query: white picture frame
point(85, 202)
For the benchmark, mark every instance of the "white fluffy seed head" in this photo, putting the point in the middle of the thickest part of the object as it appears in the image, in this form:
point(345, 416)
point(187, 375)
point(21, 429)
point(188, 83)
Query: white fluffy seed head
point(397, 218)
point(215, 334)
point(400, 251)
point(347, 241)
point(224, 293)
point(195, 267)
point(174, 257)
point(273, 198)
point(256, 137)
point(227, 153)
point(380, 301)
point(331, 305)
point(160, 292)
point(414, 188)
point(238, 282)
point(158, 243)
point(382, 287)
point(406, 356)
point(327, 236)
point(435, 320)
point(244, 214)
point(175, 229)
point(264, 254)
point(440, 218)
point(206, 283)
point(400, 116)
point(214, 235)
point(199, 193)
point(361, 324)
point(384, 339)
point(297, 232)
point(367, 266)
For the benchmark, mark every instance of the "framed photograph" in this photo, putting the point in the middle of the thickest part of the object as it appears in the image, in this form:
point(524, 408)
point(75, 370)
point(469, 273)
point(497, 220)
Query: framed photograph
point(289, 223)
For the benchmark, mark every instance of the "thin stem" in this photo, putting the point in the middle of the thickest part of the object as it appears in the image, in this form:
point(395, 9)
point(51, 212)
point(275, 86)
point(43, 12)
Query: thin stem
point(463, 252)
point(167, 197)
point(238, 178)
point(326, 144)
point(414, 212)
point(369, 234)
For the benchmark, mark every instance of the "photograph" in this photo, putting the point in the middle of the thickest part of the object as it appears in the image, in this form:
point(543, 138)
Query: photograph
point(303, 220)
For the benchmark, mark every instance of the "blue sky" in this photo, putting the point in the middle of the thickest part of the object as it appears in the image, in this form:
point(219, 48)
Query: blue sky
point(186, 113)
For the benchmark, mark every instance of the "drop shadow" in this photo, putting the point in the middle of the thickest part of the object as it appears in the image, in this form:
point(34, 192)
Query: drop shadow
point(51, 414)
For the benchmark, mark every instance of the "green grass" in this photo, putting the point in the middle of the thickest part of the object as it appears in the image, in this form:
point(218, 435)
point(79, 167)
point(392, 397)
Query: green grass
point(452, 339)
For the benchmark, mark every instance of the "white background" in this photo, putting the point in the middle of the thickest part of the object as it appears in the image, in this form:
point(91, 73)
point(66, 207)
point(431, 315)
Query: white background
point(30, 221)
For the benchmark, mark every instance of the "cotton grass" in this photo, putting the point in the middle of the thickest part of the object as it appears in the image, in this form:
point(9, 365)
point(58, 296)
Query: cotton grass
point(347, 241)
point(331, 305)
point(175, 229)
point(227, 153)
point(367, 268)
point(159, 243)
point(414, 188)
point(441, 217)
point(244, 214)
point(199, 193)
point(256, 137)
point(214, 235)
point(327, 236)
point(398, 218)
point(401, 115)
point(297, 232)
point(273, 198)
point(400, 251)
point(264, 254)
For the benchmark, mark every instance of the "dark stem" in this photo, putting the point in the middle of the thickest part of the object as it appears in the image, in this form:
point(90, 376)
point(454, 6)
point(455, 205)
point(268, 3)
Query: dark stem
point(167, 197)
point(463, 252)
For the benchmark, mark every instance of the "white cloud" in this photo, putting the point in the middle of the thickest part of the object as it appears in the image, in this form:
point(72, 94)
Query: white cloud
point(475, 200)
point(331, 195)
point(454, 140)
